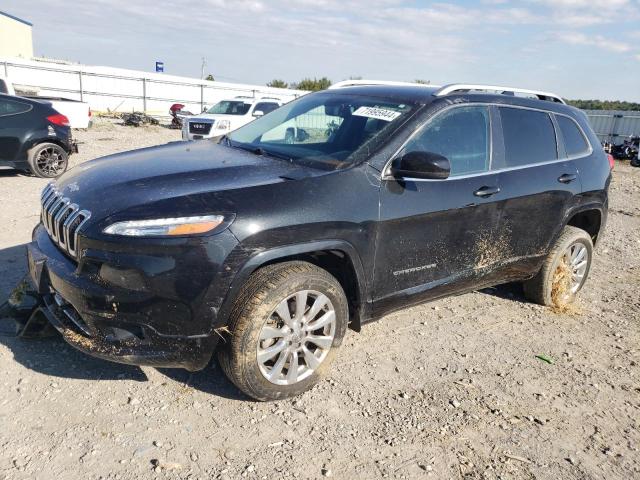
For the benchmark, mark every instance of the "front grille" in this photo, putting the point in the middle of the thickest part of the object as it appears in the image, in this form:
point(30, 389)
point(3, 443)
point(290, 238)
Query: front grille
point(200, 128)
point(62, 219)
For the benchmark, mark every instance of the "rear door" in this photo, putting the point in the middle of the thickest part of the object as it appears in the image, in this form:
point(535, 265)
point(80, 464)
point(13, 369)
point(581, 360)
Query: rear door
point(538, 181)
point(437, 236)
point(14, 124)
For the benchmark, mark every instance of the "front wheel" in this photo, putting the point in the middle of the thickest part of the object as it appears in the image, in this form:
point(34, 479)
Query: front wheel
point(285, 327)
point(564, 271)
point(48, 160)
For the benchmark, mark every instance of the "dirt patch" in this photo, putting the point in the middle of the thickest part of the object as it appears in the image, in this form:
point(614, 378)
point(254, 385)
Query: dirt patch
point(563, 301)
point(492, 248)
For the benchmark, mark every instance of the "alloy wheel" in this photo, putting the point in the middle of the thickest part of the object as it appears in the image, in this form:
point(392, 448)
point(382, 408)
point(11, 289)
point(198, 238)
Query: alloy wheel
point(296, 338)
point(51, 161)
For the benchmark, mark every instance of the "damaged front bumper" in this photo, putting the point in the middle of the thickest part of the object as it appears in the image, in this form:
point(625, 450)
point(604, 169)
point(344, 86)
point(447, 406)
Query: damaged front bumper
point(72, 304)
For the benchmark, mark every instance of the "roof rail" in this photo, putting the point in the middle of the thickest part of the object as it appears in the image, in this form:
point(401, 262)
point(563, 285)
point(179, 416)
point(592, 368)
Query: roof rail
point(354, 83)
point(463, 87)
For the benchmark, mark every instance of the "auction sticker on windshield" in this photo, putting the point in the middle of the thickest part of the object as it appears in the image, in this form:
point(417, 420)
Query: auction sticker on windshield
point(377, 113)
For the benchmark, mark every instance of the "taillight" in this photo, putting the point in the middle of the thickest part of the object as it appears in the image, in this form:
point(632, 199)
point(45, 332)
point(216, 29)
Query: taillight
point(59, 119)
point(90, 113)
point(612, 162)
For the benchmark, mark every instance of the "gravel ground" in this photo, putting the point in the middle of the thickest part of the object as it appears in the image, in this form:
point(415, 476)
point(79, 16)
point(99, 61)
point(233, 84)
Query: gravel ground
point(452, 389)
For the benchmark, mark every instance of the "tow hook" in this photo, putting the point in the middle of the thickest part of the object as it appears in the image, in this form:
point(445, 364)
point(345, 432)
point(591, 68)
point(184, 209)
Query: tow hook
point(24, 307)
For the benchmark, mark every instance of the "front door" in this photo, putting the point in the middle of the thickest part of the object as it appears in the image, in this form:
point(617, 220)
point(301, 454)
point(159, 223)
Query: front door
point(438, 236)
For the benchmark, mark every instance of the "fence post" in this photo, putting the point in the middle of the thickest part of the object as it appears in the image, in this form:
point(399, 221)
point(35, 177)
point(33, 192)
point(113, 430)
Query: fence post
point(81, 89)
point(144, 95)
point(202, 97)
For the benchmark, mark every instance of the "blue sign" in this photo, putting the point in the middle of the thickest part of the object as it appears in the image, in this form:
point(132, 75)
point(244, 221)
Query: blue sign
point(160, 67)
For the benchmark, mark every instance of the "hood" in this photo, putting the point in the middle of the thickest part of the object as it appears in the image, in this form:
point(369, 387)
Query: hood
point(215, 116)
point(174, 179)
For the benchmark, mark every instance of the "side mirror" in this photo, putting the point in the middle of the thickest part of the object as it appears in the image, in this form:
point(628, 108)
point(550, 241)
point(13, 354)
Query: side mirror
point(258, 113)
point(421, 165)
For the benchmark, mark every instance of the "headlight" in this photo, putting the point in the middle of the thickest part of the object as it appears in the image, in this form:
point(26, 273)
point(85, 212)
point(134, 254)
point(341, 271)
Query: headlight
point(223, 124)
point(166, 227)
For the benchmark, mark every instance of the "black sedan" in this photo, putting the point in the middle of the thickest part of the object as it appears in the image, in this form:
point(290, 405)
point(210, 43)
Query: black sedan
point(34, 137)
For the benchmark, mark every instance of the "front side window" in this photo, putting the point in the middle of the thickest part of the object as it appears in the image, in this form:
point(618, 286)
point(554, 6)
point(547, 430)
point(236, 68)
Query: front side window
point(574, 142)
point(332, 128)
point(529, 137)
point(230, 107)
point(462, 135)
point(10, 107)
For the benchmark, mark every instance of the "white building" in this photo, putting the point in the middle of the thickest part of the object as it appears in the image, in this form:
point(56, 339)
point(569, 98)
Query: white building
point(16, 39)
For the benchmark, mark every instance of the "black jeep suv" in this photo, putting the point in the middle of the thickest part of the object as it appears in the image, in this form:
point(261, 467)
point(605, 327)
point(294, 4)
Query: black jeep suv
point(266, 247)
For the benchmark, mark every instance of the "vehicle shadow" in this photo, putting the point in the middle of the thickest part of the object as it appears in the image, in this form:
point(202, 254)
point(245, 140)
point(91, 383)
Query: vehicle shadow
point(12, 172)
point(52, 356)
point(507, 291)
point(211, 380)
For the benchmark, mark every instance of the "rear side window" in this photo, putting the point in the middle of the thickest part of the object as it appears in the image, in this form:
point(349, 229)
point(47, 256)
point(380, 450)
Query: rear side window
point(10, 107)
point(266, 107)
point(574, 142)
point(529, 137)
point(462, 135)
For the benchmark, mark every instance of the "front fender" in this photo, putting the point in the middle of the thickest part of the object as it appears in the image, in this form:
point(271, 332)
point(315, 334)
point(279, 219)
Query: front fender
point(266, 257)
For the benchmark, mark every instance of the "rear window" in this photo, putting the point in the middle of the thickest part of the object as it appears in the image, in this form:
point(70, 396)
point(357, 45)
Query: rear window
point(10, 107)
point(574, 142)
point(529, 137)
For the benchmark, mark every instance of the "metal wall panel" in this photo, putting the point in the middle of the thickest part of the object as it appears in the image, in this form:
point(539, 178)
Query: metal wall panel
point(614, 125)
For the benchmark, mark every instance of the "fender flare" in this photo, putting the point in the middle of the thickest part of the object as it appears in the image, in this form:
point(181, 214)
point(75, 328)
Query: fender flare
point(269, 256)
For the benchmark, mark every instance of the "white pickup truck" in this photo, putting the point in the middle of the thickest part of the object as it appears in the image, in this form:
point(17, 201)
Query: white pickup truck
point(78, 113)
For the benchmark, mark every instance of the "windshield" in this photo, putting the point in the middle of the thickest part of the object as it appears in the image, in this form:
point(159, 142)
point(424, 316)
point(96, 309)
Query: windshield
point(230, 107)
point(325, 127)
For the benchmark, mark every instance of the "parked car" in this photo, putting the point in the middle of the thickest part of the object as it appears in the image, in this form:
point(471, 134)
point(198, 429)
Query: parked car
point(34, 137)
point(78, 113)
point(267, 250)
point(226, 116)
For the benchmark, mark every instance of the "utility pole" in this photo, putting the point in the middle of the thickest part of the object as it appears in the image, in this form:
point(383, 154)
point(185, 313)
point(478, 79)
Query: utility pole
point(204, 63)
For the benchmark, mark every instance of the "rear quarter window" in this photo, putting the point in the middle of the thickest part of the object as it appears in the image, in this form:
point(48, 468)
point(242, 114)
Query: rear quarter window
point(529, 137)
point(11, 107)
point(574, 142)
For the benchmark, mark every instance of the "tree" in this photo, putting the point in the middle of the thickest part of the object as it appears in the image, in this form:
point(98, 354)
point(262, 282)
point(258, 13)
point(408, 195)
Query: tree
point(277, 83)
point(210, 78)
point(604, 105)
point(314, 84)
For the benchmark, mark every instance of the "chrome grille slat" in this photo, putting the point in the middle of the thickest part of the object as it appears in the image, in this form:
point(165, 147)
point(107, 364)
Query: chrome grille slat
point(62, 219)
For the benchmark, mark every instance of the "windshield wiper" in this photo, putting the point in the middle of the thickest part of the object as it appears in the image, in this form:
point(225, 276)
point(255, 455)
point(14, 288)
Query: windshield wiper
point(260, 151)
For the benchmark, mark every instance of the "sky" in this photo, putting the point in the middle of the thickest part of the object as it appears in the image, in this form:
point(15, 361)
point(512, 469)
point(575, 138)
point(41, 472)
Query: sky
point(575, 48)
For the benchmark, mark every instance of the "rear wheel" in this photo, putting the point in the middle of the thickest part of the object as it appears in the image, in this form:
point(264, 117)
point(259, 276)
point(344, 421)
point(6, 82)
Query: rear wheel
point(564, 271)
point(285, 327)
point(48, 160)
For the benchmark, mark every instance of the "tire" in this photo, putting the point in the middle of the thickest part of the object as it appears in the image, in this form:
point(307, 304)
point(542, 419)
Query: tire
point(635, 162)
point(48, 160)
point(558, 282)
point(257, 311)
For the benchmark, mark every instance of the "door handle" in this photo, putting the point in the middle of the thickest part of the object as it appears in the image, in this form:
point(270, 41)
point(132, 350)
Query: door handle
point(485, 192)
point(567, 178)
